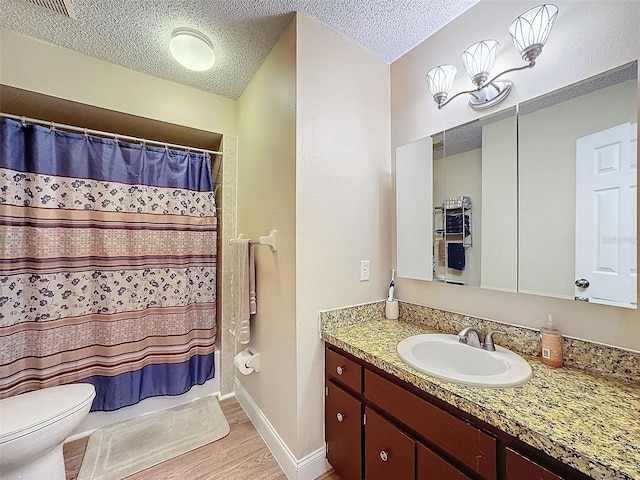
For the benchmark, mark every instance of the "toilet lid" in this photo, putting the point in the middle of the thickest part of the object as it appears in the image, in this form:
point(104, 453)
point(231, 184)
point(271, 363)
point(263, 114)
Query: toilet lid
point(27, 412)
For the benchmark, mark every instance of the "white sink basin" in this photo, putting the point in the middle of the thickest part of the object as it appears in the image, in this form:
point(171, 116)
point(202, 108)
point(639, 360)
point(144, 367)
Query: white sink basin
point(443, 356)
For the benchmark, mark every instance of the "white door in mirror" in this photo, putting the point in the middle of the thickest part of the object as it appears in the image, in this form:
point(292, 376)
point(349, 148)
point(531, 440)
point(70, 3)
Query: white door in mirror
point(606, 181)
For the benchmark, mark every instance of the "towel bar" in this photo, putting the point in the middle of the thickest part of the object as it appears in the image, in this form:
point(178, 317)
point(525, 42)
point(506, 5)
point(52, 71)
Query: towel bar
point(271, 240)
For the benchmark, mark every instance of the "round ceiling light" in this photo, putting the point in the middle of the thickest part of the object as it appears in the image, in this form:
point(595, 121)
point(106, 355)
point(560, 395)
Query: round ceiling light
point(192, 49)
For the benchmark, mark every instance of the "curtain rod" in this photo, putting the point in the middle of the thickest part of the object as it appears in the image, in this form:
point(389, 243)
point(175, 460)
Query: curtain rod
point(114, 136)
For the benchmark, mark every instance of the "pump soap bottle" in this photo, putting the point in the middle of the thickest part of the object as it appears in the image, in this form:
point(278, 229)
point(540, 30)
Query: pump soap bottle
point(550, 344)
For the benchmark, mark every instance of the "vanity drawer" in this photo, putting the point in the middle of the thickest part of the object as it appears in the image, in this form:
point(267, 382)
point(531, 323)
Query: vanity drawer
point(389, 452)
point(343, 371)
point(430, 466)
point(469, 445)
point(520, 467)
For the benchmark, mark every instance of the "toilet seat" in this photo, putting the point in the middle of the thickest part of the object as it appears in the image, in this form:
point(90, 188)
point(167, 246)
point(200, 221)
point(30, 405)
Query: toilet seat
point(28, 412)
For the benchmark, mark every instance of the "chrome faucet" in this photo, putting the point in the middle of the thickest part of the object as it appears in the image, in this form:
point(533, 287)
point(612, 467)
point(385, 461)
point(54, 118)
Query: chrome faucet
point(469, 336)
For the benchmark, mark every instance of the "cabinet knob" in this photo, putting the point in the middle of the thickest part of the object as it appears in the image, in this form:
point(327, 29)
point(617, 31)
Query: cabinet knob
point(384, 456)
point(340, 416)
point(340, 370)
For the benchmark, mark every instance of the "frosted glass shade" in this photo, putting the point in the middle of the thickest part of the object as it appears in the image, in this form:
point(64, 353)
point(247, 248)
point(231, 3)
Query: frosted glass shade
point(478, 60)
point(192, 49)
point(531, 29)
point(440, 80)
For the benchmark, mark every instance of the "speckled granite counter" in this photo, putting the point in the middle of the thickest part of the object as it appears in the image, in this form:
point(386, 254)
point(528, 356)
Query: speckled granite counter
point(589, 422)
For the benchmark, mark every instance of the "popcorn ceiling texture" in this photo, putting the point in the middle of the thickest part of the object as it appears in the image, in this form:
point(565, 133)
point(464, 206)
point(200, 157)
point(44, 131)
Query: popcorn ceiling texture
point(135, 34)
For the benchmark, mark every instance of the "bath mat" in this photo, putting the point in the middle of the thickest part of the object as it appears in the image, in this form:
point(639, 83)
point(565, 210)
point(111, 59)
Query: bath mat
point(122, 449)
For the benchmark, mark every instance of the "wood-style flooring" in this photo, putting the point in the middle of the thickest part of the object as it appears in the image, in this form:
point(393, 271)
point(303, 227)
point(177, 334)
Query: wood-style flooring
point(241, 455)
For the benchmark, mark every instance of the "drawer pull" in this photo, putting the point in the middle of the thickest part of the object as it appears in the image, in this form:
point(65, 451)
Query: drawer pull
point(384, 456)
point(341, 416)
point(340, 370)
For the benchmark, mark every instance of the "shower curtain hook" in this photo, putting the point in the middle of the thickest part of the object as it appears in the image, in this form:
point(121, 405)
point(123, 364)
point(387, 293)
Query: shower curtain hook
point(86, 133)
point(115, 137)
point(24, 121)
point(53, 126)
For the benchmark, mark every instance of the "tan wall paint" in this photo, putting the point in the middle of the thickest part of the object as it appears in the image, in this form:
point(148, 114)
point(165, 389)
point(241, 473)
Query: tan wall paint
point(343, 198)
point(609, 32)
point(266, 200)
point(63, 73)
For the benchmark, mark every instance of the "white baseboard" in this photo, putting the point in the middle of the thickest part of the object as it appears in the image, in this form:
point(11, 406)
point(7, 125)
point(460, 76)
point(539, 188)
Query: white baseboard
point(307, 468)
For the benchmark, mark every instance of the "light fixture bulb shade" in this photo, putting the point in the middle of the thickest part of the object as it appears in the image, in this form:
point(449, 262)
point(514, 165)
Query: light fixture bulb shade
point(530, 30)
point(440, 79)
point(192, 49)
point(478, 60)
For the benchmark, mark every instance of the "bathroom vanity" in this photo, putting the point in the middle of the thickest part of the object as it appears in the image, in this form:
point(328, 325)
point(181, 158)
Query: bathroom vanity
point(385, 420)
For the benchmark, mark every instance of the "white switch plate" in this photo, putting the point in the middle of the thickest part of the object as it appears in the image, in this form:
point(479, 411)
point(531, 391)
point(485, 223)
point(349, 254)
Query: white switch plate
point(364, 270)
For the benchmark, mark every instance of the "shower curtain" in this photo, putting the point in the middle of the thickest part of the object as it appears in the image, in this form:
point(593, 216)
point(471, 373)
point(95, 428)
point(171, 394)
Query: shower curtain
point(107, 265)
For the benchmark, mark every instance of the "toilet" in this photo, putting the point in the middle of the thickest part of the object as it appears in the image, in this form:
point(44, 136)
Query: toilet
point(33, 427)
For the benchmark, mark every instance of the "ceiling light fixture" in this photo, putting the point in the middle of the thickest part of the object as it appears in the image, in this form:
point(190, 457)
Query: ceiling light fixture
point(192, 49)
point(529, 33)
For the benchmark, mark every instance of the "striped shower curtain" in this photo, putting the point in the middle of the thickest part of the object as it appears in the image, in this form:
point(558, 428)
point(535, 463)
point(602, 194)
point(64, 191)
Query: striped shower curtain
point(107, 265)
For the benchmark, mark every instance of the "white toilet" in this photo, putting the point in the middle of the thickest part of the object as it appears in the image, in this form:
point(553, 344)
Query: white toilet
point(33, 427)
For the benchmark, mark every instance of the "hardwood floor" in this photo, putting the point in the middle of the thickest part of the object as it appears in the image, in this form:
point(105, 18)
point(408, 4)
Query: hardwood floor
point(241, 455)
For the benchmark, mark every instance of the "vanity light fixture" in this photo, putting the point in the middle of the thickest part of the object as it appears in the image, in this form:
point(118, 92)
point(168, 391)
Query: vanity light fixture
point(529, 33)
point(192, 49)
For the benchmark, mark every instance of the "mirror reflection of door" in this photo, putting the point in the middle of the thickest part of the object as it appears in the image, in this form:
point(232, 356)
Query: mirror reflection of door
point(606, 187)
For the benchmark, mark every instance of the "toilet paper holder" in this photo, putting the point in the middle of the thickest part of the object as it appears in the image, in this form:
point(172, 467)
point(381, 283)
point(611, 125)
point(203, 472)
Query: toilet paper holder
point(247, 361)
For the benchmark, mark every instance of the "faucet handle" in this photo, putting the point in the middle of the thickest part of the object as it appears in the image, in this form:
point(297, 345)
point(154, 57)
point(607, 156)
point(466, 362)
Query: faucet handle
point(488, 340)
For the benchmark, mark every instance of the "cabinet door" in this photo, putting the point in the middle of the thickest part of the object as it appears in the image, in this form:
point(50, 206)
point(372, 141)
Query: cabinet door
point(343, 432)
point(430, 466)
point(520, 467)
point(389, 453)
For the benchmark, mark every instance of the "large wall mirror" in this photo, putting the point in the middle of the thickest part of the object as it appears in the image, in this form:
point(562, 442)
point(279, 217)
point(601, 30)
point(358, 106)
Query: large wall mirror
point(539, 198)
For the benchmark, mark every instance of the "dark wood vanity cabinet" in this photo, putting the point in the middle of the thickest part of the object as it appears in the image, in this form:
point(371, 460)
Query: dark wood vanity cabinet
point(379, 427)
point(343, 415)
point(520, 467)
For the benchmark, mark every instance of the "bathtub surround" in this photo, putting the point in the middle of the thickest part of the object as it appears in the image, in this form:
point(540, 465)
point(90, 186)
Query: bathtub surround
point(123, 449)
point(107, 274)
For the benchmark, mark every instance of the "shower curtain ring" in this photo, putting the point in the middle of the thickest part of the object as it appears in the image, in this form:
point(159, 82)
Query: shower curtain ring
point(53, 126)
point(24, 121)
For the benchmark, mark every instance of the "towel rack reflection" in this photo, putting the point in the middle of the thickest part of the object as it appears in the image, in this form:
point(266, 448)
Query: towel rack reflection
point(271, 240)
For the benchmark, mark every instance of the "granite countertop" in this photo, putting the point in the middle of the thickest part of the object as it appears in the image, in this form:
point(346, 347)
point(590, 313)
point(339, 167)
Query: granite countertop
point(589, 422)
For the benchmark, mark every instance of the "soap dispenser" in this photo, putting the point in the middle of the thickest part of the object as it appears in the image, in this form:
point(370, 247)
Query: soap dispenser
point(550, 344)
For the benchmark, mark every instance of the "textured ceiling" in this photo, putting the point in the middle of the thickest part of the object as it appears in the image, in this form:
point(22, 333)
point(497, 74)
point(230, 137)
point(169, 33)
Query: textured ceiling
point(135, 33)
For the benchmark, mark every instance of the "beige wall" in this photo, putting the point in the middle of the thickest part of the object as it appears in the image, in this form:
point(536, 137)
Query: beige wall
point(63, 73)
point(343, 198)
point(588, 38)
point(314, 163)
point(266, 201)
